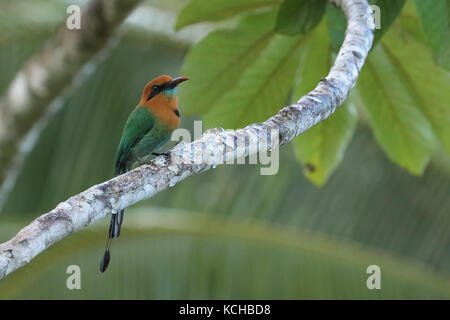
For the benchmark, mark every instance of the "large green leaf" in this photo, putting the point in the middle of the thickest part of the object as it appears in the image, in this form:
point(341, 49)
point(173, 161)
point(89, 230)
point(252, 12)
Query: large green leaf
point(424, 81)
point(435, 17)
point(395, 115)
point(219, 59)
point(411, 64)
point(321, 148)
point(336, 23)
point(389, 10)
point(241, 75)
point(262, 89)
point(213, 10)
point(299, 16)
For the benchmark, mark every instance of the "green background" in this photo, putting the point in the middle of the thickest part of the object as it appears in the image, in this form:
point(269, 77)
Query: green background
point(229, 232)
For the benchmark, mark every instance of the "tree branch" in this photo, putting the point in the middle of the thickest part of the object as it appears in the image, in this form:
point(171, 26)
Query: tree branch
point(165, 171)
point(32, 96)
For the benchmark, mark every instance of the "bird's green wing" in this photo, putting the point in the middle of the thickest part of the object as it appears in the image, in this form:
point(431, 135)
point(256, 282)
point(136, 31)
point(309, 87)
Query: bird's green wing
point(139, 123)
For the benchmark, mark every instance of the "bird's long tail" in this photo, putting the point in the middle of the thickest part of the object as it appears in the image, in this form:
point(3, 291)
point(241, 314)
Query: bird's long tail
point(114, 232)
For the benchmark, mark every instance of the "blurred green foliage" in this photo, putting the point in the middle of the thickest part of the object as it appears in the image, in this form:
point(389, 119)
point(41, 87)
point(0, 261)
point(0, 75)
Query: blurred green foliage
point(435, 19)
point(177, 255)
point(229, 232)
point(299, 16)
point(389, 11)
point(196, 10)
point(244, 74)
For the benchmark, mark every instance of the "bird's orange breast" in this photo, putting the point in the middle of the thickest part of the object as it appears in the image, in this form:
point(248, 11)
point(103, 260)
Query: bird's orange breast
point(165, 109)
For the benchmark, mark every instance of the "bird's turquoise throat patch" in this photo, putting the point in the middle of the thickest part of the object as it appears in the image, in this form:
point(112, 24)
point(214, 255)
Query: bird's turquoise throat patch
point(170, 92)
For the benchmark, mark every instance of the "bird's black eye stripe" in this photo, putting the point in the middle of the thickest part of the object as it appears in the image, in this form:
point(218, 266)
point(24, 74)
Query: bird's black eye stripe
point(177, 113)
point(155, 90)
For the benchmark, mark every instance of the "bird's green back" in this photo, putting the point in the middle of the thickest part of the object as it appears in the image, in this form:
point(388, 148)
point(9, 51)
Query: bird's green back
point(139, 123)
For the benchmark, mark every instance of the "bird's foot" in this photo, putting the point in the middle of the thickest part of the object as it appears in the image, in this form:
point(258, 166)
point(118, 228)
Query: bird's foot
point(160, 154)
point(166, 155)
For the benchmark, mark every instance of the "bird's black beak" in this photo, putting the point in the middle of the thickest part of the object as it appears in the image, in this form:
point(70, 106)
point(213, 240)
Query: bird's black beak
point(176, 81)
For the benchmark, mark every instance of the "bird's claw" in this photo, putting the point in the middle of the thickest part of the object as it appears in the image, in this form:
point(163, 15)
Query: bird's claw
point(166, 155)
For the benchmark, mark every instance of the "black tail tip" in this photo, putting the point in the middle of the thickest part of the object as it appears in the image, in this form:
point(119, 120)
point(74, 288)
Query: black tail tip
point(105, 261)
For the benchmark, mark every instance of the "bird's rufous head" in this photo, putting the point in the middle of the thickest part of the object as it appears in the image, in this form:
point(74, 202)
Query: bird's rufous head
point(163, 84)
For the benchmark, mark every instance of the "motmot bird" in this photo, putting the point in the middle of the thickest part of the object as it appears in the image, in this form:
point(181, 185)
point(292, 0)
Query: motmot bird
point(147, 129)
